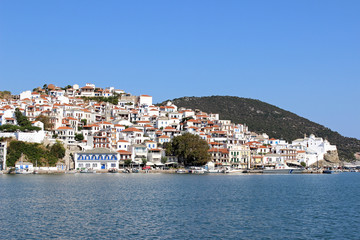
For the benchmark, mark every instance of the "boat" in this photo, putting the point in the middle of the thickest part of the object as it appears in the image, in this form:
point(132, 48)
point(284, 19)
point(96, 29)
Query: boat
point(197, 170)
point(235, 171)
point(282, 168)
point(112, 170)
point(181, 171)
point(213, 171)
point(327, 171)
point(87, 170)
point(23, 171)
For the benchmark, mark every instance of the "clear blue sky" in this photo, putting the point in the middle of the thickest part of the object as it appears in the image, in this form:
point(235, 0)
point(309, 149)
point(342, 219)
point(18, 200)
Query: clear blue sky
point(303, 56)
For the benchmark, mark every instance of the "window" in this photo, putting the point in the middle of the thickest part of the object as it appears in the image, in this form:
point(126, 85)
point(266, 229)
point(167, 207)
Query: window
point(113, 165)
point(81, 165)
point(87, 164)
point(94, 165)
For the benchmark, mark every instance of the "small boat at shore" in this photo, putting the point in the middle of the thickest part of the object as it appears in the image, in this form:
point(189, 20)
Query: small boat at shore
point(282, 168)
point(180, 171)
point(23, 171)
point(197, 170)
point(87, 170)
point(213, 171)
point(112, 170)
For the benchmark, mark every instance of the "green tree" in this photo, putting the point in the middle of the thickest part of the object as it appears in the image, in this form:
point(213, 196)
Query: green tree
point(66, 87)
point(84, 121)
point(22, 120)
point(144, 161)
point(58, 150)
point(127, 162)
point(190, 149)
point(46, 121)
point(164, 160)
point(79, 137)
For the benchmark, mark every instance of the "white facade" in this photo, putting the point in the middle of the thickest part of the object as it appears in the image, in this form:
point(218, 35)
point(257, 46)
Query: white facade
point(316, 145)
point(25, 94)
point(97, 159)
point(272, 159)
point(34, 137)
point(3, 151)
point(27, 166)
point(145, 100)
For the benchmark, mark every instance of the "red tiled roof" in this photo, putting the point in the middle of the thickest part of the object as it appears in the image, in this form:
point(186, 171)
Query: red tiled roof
point(64, 128)
point(132, 129)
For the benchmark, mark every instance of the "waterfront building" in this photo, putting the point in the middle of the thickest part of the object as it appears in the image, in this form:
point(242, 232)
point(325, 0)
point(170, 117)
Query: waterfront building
point(313, 145)
point(240, 155)
point(220, 156)
point(27, 166)
point(154, 156)
point(97, 159)
point(136, 129)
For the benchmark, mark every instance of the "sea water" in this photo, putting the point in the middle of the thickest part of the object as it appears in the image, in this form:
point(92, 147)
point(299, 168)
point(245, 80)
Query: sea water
point(170, 206)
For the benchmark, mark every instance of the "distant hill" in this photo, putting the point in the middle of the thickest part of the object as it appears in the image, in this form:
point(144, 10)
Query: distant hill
point(262, 117)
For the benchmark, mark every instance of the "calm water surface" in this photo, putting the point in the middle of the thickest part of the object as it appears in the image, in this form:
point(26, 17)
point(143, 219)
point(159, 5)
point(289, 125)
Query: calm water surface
point(169, 206)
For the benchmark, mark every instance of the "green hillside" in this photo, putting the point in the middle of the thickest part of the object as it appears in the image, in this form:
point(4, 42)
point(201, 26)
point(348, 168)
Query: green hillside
point(262, 117)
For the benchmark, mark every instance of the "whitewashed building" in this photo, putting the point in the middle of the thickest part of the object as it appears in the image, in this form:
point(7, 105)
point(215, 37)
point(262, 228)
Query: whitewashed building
point(97, 159)
point(314, 145)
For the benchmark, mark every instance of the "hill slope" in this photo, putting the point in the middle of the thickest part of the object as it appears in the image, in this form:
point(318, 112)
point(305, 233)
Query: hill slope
point(262, 117)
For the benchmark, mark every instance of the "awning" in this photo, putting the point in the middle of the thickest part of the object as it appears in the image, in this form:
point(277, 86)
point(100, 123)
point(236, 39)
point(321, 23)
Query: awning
point(159, 164)
point(149, 164)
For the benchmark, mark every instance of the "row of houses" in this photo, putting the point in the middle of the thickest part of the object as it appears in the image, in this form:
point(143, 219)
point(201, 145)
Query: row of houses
point(136, 130)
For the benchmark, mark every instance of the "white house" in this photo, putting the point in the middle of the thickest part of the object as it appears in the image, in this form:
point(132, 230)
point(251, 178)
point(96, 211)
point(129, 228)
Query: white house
point(151, 144)
point(145, 100)
point(67, 134)
point(25, 94)
point(24, 166)
point(133, 135)
point(123, 145)
point(163, 139)
point(272, 159)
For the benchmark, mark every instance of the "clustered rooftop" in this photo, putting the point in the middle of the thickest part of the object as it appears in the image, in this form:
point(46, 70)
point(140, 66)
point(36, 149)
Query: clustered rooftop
point(137, 129)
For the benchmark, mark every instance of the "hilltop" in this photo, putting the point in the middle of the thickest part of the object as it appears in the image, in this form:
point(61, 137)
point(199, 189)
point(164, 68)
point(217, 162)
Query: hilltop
point(262, 117)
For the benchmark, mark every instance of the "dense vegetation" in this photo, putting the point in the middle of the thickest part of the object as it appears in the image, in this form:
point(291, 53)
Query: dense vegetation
point(5, 94)
point(262, 117)
point(14, 128)
point(190, 149)
point(35, 153)
point(23, 124)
